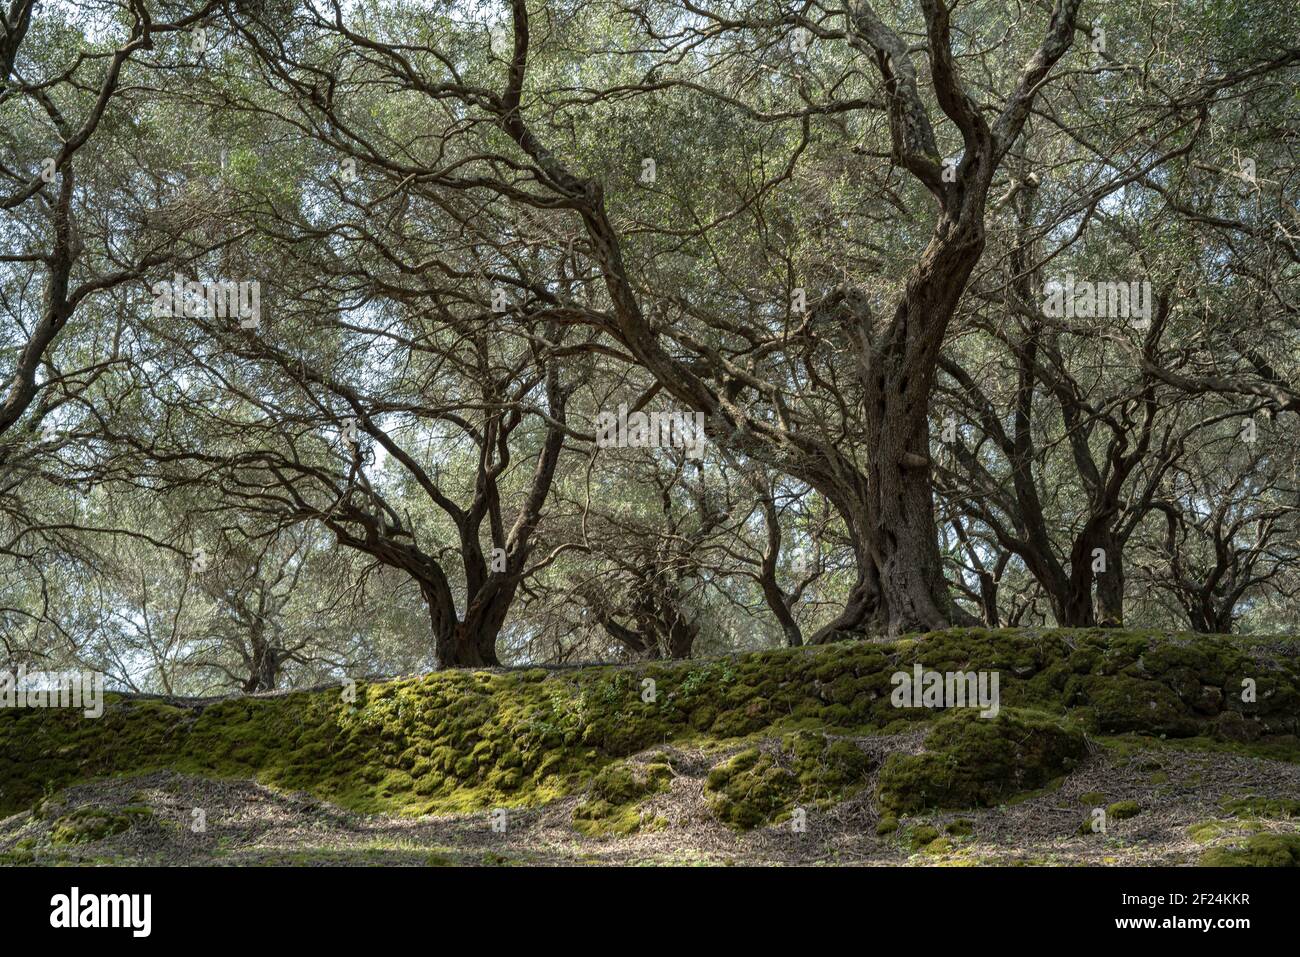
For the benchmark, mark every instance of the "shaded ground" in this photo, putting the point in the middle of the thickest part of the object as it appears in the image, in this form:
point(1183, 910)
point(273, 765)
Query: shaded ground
point(1180, 793)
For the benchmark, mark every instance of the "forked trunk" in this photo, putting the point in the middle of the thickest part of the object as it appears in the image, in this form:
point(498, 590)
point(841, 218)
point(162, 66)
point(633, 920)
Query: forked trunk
point(467, 647)
point(471, 643)
point(264, 668)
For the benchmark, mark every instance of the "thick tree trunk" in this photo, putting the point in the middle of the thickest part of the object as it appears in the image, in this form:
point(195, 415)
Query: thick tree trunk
point(634, 641)
point(681, 637)
point(1075, 610)
point(471, 643)
point(913, 590)
point(659, 634)
point(264, 668)
point(1073, 607)
point(264, 677)
point(989, 613)
point(467, 646)
point(1223, 622)
point(898, 378)
point(1110, 588)
point(1208, 617)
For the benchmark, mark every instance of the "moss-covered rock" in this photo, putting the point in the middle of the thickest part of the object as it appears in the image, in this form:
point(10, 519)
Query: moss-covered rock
point(1205, 832)
point(750, 789)
point(1258, 850)
point(87, 824)
point(922, 835)
point(1123, 810)
point(971, 761)
point(611, 803)
point(1119, 703)
point(758, 786)
point(1254, 806)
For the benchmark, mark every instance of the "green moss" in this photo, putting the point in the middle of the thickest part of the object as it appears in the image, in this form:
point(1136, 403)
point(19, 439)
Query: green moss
point(463, 742)
point(750, 789)
point(610, 806)
point(756, 787)
point(1119, 704)
point(886, 825)
point(960, 827)
point(1092, 799)
point(1207, 831)
point(1262, 807)
point(1257, 850)
point(971, 761)
point(88, 824)
point(922, 835)
point(1123, 810)
point(1274, 748)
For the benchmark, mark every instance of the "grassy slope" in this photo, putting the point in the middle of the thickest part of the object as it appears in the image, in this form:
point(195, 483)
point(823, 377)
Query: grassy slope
point(462, 741)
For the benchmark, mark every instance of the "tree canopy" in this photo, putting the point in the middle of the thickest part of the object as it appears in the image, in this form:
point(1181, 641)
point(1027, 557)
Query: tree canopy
point(372, 337)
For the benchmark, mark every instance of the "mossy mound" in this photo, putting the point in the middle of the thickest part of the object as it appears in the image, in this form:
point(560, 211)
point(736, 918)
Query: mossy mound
point(1207, 832)
point(1262, 807)
point(971, 761)
point(809, 769)
point(1123, 810)
point(922, 836)
point(1119, 703)
point(611, 804)
point(87, 824)
point(466, 741)
point(1257, 850)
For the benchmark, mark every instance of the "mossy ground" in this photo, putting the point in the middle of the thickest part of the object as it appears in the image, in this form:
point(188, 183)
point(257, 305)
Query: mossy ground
point(786, 729)
point(1257, 850)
